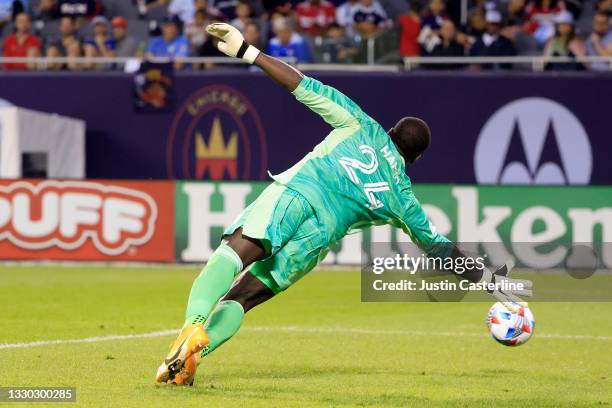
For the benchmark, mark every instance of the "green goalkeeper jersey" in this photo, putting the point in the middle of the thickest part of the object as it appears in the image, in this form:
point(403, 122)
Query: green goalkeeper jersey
point(355, 177)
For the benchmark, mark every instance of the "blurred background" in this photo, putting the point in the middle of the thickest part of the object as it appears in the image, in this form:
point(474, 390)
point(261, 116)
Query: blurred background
point(313, 31)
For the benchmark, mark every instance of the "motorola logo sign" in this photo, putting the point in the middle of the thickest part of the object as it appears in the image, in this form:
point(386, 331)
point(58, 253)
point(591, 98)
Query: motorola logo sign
point(533, 141)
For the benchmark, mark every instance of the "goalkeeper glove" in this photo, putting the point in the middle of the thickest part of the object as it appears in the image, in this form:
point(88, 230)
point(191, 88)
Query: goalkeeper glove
point(508, 297)
point(232, 43)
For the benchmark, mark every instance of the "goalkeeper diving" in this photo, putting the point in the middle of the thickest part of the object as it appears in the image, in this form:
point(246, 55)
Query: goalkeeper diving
point(353, 179)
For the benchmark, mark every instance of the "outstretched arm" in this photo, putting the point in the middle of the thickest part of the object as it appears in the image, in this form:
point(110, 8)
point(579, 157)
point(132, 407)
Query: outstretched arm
point(282, 73)
point(232, 43)
point(332, 105)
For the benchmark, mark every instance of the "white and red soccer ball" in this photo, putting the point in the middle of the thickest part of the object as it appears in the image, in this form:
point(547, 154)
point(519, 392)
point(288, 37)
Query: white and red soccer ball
point(510, 328)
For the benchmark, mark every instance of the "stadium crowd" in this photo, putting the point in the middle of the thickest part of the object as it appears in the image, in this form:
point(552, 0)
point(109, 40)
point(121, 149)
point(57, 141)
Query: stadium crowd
point(321, 31)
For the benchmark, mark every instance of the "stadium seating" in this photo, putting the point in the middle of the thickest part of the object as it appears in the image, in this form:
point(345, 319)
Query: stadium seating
point(123, 8)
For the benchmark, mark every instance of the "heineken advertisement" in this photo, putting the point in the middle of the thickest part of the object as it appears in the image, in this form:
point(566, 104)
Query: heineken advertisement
point(469, 214)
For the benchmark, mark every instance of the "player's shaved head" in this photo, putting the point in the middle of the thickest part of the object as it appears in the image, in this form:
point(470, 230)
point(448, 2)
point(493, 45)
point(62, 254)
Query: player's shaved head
point(411, 136)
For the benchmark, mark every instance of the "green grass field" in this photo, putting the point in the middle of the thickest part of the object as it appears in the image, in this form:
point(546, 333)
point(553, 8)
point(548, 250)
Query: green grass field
point(316, 345)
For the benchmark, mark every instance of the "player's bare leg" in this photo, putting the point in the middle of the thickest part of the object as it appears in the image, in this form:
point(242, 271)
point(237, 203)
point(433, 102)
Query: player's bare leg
point(215, 280)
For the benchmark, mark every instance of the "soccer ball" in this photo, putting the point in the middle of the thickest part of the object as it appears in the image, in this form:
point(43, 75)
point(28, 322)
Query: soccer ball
point(510, 329)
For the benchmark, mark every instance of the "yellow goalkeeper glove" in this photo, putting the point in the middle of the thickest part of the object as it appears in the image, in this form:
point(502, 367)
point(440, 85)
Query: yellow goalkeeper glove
point(232, 43)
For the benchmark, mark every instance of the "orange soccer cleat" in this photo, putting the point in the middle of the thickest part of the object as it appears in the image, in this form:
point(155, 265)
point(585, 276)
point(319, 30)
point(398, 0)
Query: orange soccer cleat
point(180, 365)
point(186, 374)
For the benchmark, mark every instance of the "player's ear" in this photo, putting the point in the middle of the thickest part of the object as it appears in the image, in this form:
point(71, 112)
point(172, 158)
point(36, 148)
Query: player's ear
point(409, 162)
point(390, 131)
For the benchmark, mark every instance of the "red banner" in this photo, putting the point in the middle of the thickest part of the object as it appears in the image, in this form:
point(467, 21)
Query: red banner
point(87, 220)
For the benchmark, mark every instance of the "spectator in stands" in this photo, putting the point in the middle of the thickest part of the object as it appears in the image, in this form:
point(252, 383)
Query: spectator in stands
point(344, 15)
point(243, 15)
point(430, 25)
point(369, 18)
point(336, 46)
point(514, 18)
point(171, 43)
point(21, 43)
point(74, 50)
point(68, 44)
point(66, 34)
point(102, 44)
point(125, 44)
point(600, 42)
point(564, 43)
point(202, 44)
point(288, 43)
point(47, 10)
point(312, 17)
point(196, 31)
point(435, 14)
point(476, 24)
point(410, 24)
point(448, 45)
point(541, 18)
point(492, 43)
point(252, 35)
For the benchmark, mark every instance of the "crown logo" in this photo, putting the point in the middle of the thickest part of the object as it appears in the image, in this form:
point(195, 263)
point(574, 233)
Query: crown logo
point(216, 158)
point(216, 147)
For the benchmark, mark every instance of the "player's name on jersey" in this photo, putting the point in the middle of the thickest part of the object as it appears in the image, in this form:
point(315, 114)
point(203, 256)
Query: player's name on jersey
point(444, 285)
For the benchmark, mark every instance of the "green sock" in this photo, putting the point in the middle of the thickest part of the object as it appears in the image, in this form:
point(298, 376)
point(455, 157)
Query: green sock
point(223, 324)
point(213, 282)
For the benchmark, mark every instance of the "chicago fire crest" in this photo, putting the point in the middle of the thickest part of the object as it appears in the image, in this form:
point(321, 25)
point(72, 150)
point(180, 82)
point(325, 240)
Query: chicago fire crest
point(217, 135)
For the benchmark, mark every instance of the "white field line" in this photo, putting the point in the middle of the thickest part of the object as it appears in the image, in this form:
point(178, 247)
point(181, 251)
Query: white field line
point(285, 329)
point(96, 339)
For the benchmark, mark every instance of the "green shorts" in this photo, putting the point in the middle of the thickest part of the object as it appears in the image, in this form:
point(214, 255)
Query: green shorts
point(285, 223)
